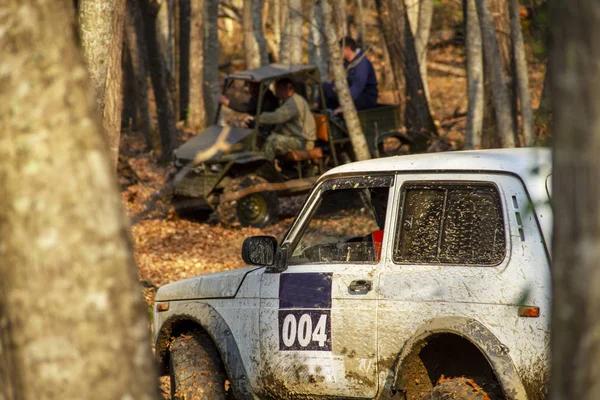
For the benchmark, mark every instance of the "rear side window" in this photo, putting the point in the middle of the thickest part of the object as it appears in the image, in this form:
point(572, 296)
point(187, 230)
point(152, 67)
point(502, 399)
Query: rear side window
point(450, 224)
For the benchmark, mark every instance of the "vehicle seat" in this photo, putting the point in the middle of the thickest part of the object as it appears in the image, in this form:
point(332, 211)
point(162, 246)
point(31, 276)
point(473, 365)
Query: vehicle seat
point(321, 123)
point(302, 155)
point(317, 152)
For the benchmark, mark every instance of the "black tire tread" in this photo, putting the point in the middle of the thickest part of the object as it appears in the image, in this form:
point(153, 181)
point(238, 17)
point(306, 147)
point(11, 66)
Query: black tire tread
point(227, 210)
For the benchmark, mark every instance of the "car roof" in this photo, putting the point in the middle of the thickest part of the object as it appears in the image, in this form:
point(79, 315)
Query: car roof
point(520, 161)
point(532, 165)
point(272, 71)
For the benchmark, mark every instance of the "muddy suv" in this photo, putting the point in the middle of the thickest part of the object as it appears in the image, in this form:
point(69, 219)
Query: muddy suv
point(410, 277)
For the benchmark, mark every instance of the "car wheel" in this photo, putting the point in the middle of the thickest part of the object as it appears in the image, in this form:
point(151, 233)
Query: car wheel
point(255, 209)
point(464, 389)
point(196, 369)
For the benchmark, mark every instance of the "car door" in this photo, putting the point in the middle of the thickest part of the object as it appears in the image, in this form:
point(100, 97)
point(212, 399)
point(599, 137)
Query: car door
point(465, 245)
point(318, 327)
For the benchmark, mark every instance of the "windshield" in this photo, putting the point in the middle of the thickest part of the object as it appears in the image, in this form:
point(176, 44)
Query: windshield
point(347, 223)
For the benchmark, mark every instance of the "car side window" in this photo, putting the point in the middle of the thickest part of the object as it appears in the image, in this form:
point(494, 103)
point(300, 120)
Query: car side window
point(347, 224)
point(450, 224)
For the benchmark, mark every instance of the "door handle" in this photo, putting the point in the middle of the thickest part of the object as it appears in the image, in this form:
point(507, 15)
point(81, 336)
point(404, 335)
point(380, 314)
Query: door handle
point(360, 285)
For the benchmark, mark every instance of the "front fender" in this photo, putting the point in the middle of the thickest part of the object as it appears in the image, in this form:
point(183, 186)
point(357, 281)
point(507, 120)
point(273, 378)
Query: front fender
point(481, 337)
point(206, 317)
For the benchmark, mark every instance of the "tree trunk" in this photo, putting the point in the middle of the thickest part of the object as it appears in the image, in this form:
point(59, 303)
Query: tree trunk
point(276, 10)
point(401, 46)
point(388, 81)
point(73, 323)
point(543, 115)
point(521, 74)
point(211, 59)
point(420, 14)
point(164, 107)
point(291, 43)
point(175, 81)
point(501, 18)
point(185, 15)
point(101, 33)
point(196, 117)
point(421, 36)
point(357, 138)
point(475, 77)
point(134, 31)
point(340, 19)
point(418, 114)
point(163, 32)
point(362, 34)
point(493, 62)
point(392, 27)
point(317, 50)
point(259, 34)
point(129, 118)
point(251, 52)
point(575, 84)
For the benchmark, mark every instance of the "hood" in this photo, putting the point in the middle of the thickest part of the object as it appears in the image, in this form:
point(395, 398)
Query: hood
point(218, 285)
point(203, 141)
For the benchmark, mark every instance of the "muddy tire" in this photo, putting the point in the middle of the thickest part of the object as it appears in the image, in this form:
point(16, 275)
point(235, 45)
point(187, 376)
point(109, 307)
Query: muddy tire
point(197, 371)
point(464, 389)
point(256, 209)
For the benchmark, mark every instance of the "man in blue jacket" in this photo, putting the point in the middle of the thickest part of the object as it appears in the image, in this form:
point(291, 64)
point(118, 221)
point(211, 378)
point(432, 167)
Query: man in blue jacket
point(361, 79)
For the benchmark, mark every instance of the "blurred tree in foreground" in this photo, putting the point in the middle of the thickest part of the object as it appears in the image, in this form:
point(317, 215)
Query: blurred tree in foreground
point(72, 321)
point(575, 84)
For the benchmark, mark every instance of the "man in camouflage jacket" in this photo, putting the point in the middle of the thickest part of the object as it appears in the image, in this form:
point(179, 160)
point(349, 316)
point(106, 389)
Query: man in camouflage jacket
point(296, 128)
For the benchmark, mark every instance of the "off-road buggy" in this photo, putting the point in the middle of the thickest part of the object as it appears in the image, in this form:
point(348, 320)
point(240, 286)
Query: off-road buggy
point(242, 185)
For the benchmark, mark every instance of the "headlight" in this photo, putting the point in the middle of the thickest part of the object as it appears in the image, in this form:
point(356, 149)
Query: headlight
point(199, 169)
point(216, 167)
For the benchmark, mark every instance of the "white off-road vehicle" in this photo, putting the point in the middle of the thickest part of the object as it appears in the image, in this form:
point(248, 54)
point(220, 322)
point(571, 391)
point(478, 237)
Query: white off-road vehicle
point(410, 277)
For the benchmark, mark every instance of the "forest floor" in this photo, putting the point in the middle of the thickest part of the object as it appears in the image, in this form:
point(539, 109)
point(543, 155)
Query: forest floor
point(168, 248)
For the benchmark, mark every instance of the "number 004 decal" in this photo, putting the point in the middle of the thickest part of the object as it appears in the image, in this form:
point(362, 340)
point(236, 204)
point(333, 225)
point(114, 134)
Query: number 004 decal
point(305, 330)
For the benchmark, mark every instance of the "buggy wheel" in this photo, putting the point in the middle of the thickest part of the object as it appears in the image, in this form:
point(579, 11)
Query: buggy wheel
point(464, 389)
point(196, 368)
point(256, 209)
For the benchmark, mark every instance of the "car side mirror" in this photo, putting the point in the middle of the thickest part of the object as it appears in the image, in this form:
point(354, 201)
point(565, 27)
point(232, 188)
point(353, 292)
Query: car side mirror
point(259, 250)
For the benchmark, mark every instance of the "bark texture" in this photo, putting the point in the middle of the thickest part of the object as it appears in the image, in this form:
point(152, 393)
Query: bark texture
point(362, 32)
point(392, 27)
point(158, 75)
point(211, 59)
point(196, 116)
point(420, 15)
point(357, 138)
point(183, 57)
point(575, 84)
point(101, 32)
point(317, 52)
point(134, 38)
point(475, 77)
point(258, 30)
point(401, 46)
point(72, 320)
point(251, 52)
point(543, 115)
point(340, 18)
point(500, 94)
point(276, 13)
point(291, 42)
point(521, 74)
